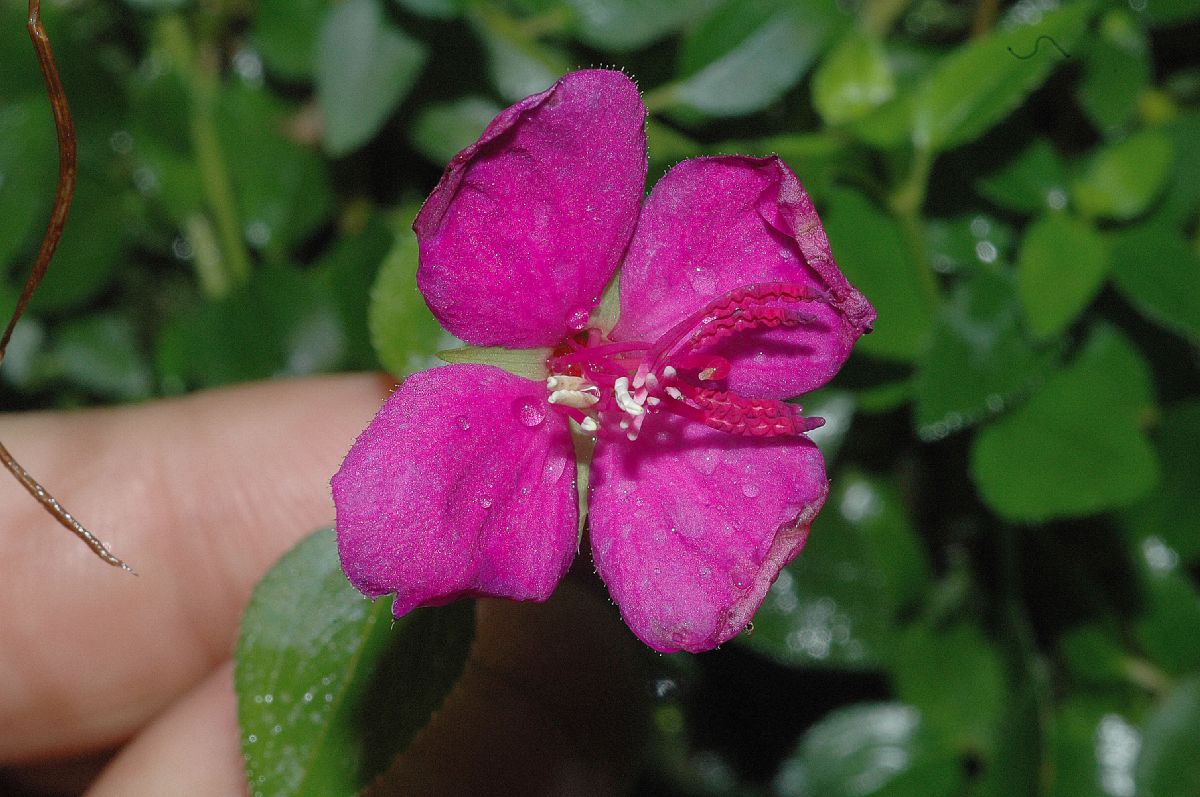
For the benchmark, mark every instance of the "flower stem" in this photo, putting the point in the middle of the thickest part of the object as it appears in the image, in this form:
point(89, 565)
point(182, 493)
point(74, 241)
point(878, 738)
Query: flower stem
point(200, 71)
point(906, 202)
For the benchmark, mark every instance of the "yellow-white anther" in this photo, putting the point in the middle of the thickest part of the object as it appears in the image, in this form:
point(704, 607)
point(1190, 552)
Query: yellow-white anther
point(707, 373)
point(558, 382)
point(625, 399)
point(589, 424)
point(578, 399)
point(669, 372)
point(674, 393)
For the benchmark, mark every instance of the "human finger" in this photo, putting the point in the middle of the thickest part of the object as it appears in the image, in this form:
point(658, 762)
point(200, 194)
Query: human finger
point(200, 494)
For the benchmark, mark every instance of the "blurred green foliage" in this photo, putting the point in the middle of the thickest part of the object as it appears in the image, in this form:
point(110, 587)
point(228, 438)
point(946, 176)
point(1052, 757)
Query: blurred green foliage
point(1001, 595)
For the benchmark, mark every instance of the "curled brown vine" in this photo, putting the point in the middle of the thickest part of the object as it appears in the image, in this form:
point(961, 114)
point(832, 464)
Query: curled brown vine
point(65, 129)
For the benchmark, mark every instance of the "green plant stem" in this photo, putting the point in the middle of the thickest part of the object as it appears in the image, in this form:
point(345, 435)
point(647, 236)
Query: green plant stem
point(1145, 675)
point(878, 16)
point(200, 70)
point(906, 202)
point(1028, 663)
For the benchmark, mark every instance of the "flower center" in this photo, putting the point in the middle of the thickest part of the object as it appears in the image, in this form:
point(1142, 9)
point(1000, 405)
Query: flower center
point(598, 382)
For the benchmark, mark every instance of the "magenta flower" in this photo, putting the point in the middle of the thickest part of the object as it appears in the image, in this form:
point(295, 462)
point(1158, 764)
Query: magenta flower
point(703, 484)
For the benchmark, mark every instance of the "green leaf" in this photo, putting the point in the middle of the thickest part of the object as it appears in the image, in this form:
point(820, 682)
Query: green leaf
point(285, 33)
point(1095, 748)
point(345, 274)
point(1093, 655)
point(1060, 268)
point(433, 9)
point(871, 250)
point(278, 324)
point(1168, 629)
point(1034, 180)
point(834, 605)
point(1076, 447)
point(1120, 181)
point(160, 125)
point(853, 80)
point(403, 331)
point(747, 53)
point(1168, 765)
point(622, 25)
point(980, 83)
point(1181, 198)
point(1176, 12)
point(965, 243)
point(963, 696)
point(1172, 512)
point(365, 67)
point(1116, 72)
point(518, 64)
point(102, 355)
point(871, 749)
point(282, 188)
point(92, 247)
point(980, 360)
point(27, 175)
point(442, 130)
point(330, 688)
point(1156, 270)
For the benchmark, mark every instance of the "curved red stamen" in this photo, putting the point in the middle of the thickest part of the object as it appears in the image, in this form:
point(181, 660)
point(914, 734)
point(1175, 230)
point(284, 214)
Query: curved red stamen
point(736, 303)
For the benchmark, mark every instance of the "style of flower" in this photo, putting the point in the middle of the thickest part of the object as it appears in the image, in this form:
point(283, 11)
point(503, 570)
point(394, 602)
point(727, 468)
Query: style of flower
point(703, 484)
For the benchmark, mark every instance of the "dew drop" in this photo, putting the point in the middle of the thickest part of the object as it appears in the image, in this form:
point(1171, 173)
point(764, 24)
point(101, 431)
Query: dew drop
point(485, 501)
point(463, 423)
point(529, 411)
point(251, 739)
point(578, 319)
point(750, 490)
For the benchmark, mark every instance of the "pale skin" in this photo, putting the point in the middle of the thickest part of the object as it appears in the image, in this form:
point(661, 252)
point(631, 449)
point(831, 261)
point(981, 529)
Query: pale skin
point(122, 684)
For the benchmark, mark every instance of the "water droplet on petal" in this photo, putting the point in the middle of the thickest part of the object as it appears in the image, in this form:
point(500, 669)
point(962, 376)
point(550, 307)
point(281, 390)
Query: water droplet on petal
point(463, 423)
point(530, 411)
point(485, 501)
point(578, 319)
point(750, 490)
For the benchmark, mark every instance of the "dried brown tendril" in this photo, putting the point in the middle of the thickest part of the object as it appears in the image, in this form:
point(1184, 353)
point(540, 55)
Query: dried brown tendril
point(65, 129)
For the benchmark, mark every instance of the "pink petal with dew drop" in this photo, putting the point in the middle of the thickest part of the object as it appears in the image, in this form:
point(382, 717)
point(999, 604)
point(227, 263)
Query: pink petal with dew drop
point(529, 223)
point(690, 526)
point(712, 225)
point(463, 484)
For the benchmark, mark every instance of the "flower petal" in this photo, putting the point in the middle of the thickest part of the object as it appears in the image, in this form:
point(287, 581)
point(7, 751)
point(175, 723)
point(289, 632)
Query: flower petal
point(529, 223)
point(712, 225)
point(690, 526)
point(463, 484)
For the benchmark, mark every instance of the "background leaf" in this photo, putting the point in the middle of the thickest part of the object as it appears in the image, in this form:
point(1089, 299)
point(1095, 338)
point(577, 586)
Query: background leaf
point(745, 54)
point(1076, 446)
point(981, 83)
point(365, 66)
point(980, 360)
point(1119, 181)
point(1061, 266)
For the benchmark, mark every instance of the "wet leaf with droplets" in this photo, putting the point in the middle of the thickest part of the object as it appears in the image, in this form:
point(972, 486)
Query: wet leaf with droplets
point(980, 361)
point(330, 688)
point(871, 749)
point(833, 606)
